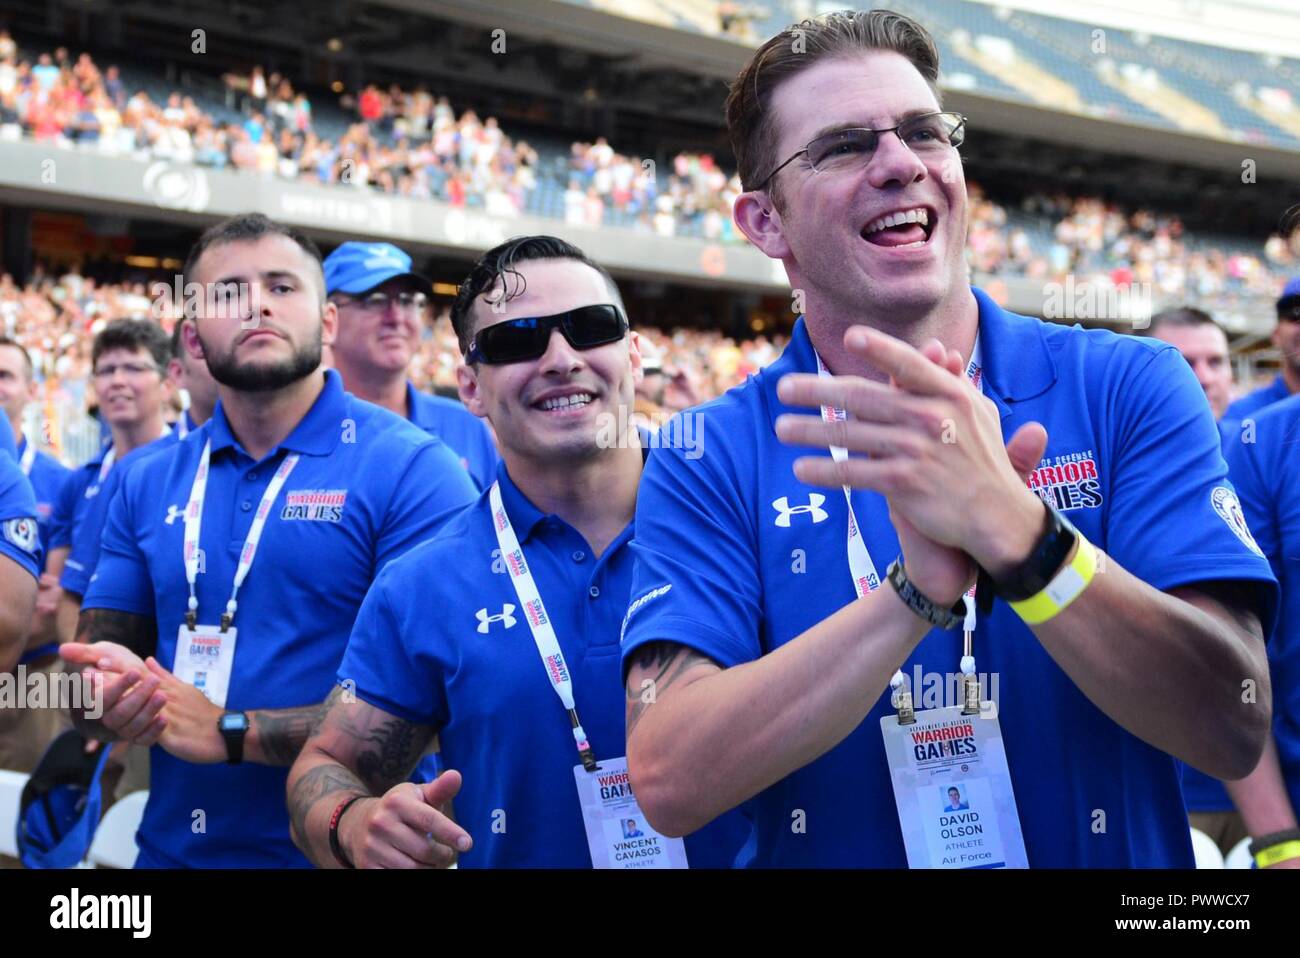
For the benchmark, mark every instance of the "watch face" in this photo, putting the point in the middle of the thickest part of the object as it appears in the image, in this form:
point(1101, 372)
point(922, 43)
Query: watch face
point(233, 722)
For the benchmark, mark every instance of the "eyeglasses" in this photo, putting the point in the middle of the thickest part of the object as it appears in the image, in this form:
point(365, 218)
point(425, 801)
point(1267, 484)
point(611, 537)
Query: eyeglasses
point(131, 369)
point(380, 302)
point(519, 340)
point(927, 135)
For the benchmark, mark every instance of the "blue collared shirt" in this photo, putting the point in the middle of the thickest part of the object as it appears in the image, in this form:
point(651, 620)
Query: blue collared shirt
point(1253, 402)
point(87, 533)
point(455, 653)
point(1267, 474)
point(47, 477)
point(465, 433)
point(736, 557)
point(338, 520)
point(19, 537)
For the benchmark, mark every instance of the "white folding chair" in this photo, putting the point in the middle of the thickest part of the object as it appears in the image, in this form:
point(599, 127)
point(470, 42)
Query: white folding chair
point(114, 844)
point(1207, 853)
point(1239, 856)
point(11, 793)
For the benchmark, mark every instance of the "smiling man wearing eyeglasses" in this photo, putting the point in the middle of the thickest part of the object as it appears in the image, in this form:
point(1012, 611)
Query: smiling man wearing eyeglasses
point(785, 667)
point(501, 635)
point(382, 307)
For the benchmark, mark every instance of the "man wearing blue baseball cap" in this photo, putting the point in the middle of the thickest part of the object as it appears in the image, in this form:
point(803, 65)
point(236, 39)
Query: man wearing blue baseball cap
point(1286, 337)
point(381, 305)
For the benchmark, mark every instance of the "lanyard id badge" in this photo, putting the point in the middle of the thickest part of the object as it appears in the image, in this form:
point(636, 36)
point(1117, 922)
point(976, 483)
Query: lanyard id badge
point(205, 654)
point(618, 836)
point(955, 753)
point(956, 807)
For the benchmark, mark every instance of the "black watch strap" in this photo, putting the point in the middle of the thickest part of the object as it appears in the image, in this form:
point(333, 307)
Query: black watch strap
point(234, 738)
point(1043, 562)
point(922, 604)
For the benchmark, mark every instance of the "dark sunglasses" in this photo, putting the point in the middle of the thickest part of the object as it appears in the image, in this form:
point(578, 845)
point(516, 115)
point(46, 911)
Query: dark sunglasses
point(519, 340)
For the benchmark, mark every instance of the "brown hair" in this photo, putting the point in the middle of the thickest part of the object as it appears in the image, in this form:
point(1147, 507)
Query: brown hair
point(750, 123)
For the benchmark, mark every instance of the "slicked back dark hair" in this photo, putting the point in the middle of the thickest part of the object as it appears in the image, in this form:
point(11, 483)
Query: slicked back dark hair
point(249, 228)
point(751, 124)
point(133, 335)
point(499, 266)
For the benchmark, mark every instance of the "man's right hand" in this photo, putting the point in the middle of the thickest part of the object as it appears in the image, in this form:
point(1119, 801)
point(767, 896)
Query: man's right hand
point(128, 694)
point(408, 827)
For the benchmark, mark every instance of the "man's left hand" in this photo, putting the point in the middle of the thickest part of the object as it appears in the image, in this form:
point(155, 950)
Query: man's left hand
point(191, 731)
point(933, 446)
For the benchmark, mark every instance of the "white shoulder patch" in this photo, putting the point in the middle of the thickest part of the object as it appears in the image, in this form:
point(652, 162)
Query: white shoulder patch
point(21, 533)
point(1228, 506)
point(638, 603)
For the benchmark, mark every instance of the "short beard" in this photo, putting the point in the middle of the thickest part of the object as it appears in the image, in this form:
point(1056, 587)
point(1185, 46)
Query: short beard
point(259, 378)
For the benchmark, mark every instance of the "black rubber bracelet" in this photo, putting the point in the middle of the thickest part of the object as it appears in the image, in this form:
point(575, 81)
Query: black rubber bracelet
point(337, 817)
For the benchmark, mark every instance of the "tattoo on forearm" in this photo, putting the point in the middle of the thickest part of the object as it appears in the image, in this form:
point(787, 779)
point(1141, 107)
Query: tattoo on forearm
point(316, 784)
point(281, 733)
point(139, 633)
point(391, 751)
point(669, 661)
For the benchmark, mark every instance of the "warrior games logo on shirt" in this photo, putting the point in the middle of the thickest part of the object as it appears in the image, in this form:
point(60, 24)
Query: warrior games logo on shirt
point(315, 505)
point(1068, 481)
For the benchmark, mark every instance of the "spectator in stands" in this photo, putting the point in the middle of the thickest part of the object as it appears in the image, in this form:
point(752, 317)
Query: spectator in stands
point(130, 370)
point(381, 308)
point(1204, 344)
point(1286, 337)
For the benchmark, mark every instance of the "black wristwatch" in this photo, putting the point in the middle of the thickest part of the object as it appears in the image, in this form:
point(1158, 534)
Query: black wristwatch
point(1045, 560)
point(233, 726)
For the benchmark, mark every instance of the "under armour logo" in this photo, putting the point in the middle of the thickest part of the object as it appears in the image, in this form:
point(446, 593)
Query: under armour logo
point(485, 621)
point(173, 513)
point(785, 510)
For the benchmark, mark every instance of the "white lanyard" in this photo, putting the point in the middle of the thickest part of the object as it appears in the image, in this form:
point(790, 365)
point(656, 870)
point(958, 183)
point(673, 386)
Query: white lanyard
point(29, 456)
point(539, 623)
point(107, 462)
point(194, 518)
point(183, 425)
point(865, 577)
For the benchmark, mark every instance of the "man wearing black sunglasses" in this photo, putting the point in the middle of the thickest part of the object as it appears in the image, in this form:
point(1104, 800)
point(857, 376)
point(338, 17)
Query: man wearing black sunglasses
point(507, 627)
point(1286, 337)
point(793, 611)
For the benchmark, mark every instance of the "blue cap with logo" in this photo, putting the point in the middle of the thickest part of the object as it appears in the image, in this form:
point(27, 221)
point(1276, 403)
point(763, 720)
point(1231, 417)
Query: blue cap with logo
point(1290, 294)
point(61, 803)
point(360, 267)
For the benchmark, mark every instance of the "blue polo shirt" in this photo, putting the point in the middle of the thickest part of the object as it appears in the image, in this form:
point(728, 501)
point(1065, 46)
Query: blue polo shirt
point(88, 527)
point(79, 490)
point(735, 557)
point(1267, 474)
point(437, 657)
point(7, 439)
point(47, 477)
point(336, 522)
point(19, 537)
point(1201, 792)
point(1253, 402)
point(466, 434)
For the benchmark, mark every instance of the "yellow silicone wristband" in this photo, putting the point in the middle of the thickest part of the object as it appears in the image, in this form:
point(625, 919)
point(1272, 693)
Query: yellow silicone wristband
point(1277, 853)
point(1065, 587)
